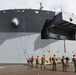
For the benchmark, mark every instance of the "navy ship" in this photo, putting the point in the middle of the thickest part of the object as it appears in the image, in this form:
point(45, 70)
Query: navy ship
point(27, 32)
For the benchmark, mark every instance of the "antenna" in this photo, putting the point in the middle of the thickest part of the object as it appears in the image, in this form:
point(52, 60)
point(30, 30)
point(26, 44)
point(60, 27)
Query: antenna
point(61, 8)
point(41, 7)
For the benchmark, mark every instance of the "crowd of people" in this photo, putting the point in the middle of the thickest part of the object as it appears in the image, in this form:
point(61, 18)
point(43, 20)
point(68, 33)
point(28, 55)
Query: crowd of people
point(64, 60)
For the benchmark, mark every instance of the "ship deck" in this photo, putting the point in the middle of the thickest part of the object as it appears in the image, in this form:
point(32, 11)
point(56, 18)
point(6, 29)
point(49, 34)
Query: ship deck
point(26, 70)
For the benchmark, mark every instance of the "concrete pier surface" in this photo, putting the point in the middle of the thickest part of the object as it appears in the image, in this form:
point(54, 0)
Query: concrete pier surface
point(27, 70)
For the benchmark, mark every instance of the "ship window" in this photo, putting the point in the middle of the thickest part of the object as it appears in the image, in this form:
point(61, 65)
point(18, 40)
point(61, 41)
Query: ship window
point(17, 10)
point(48, 51)
point(57, 51)
point(48, 12)
point(36, 12)
point(23, 11)
point(71, 19)
point(4, 12)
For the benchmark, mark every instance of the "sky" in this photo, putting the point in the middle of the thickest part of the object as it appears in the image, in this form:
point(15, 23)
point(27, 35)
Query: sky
point(55, 5)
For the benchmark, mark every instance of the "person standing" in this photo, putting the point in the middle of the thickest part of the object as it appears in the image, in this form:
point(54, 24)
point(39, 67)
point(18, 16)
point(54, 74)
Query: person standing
point(37, 61)
point(74, 60)
point(28, 60)
point(32, 60)
point(50, 59)
point(43, 61)
point(54, 59)
point(64, 63)
point(67, 61)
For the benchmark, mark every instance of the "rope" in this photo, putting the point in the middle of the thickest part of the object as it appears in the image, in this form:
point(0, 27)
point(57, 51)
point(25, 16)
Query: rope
point(21, 40)
point(25, 35)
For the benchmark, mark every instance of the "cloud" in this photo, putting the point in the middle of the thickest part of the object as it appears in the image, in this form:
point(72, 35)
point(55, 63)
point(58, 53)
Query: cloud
point(71, 4)
point(67, 5)
point(7, 4)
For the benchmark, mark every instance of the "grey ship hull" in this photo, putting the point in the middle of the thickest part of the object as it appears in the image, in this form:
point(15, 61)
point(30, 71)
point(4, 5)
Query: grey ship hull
point(19, 43)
